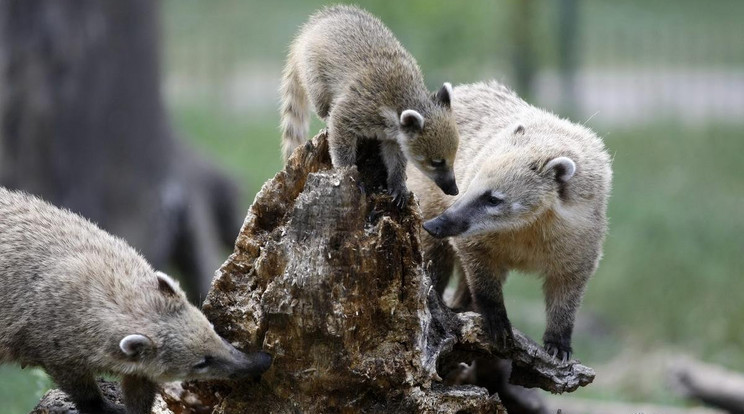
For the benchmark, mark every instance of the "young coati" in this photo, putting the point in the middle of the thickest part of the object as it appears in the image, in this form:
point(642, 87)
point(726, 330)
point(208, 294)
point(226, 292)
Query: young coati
point(535, 197)
point(364, 84)
point(78, 301)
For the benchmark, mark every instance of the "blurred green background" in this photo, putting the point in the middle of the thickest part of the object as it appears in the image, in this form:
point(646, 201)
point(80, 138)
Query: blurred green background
point(661, 81)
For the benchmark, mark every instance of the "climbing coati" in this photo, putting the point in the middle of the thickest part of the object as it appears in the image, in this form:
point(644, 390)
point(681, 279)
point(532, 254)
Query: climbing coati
point(535, 190)
point(78, 301)
point(364, 84)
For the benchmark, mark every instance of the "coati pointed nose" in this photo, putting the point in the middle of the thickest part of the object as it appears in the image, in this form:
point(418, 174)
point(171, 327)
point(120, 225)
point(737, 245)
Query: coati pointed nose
point(262, 362)
point(448, 185)
point(253, 365)
point(433, 227)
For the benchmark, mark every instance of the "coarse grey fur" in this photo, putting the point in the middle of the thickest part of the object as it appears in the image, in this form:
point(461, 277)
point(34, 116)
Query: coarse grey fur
point(364, 84)
point(78, 301)
point(535, 190)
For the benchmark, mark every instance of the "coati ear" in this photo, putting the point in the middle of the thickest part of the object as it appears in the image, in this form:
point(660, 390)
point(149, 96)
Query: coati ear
point(166, 285)
point(411, 121)
point(444, 95)
point(135, 345)
point(563, 167)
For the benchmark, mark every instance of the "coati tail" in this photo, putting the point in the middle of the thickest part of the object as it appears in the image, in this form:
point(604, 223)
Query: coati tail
point(295, 111)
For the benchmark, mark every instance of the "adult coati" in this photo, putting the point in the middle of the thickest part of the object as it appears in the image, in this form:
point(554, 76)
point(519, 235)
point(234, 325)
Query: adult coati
point(78, 301)
point(535, 190)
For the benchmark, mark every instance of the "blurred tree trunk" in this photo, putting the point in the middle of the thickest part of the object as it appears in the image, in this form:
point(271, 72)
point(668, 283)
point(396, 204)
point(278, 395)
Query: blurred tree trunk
point(568, 53)
point(523, 53)
point(83, 125)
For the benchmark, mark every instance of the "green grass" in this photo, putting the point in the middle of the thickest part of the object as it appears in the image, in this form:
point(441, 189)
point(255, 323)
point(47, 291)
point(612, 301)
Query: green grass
point(20, 390)
point(248, 148)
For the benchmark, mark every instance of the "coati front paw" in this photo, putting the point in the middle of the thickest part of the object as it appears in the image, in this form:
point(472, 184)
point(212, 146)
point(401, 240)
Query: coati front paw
point(400, 197)
point(558, 350)
point(500, 329)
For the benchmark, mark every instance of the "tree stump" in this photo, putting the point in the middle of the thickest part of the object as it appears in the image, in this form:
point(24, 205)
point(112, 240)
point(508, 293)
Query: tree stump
point(328, 277)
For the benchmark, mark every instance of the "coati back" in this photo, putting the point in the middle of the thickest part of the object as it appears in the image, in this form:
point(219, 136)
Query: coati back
point(535, 199)
point(364, 84)
point(78, 301)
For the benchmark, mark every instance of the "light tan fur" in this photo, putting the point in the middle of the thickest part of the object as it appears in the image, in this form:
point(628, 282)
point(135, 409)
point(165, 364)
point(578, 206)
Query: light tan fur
point(541, 222)
point(364, 84)
point(74, 298)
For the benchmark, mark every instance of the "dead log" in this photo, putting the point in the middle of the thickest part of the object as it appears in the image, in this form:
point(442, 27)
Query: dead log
point(710, 384)
point(56, 401)
point(328, 277)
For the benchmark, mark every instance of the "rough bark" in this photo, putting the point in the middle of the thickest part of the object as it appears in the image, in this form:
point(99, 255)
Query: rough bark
point(327, 275)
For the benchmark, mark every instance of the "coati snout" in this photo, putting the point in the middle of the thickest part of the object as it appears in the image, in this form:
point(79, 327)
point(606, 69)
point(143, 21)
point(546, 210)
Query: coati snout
point(446, 181)
point(248, 365)
point(443, 226)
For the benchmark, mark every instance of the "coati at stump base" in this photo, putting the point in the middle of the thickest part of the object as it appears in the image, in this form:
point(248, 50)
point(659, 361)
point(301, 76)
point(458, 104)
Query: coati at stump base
point(78, 302)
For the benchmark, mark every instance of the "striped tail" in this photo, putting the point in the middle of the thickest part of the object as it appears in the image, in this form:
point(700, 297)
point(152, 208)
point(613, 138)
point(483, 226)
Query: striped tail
point(295, 111)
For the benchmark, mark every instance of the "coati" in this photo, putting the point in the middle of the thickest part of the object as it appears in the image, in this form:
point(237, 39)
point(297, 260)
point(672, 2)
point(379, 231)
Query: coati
point(78, 301)
point(364, 84)
point(535, 190)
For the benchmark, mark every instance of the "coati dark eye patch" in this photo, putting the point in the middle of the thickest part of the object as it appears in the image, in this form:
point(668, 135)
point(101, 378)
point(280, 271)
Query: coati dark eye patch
point(438, 163)
point(203, 363)
point(493, 200)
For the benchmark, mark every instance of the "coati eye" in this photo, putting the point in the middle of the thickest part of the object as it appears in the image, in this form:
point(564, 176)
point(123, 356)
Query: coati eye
point(437, 163)
point(204, 363)
point(493, 200)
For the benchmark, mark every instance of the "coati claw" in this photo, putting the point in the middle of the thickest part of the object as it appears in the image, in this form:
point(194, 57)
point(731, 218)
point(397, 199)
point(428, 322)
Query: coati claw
point(556, 351)
point(400, 198)
point(502, 333)
point(373, 215)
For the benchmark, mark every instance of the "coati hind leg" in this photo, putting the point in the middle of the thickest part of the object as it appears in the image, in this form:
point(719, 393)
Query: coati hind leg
point(395, 163)
point(139, 394)
point(83, 390)
point(342, 141)
point(563, 295)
